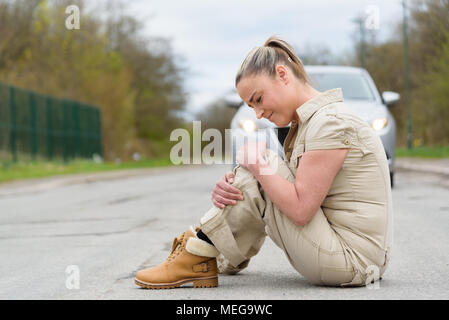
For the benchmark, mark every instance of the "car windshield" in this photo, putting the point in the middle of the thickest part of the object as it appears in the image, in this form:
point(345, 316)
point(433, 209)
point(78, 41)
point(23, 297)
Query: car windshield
point(354, 86)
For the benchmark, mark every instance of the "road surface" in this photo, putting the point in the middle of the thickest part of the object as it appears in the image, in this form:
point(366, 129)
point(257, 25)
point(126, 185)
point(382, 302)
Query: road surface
point(105, 231)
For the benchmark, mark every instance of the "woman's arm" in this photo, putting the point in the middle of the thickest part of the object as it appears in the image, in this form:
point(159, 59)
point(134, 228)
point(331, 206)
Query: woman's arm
point(314, 176)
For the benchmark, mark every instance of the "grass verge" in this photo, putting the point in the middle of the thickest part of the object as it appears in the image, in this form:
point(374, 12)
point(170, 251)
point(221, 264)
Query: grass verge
point(10, 171)
point(424, 152)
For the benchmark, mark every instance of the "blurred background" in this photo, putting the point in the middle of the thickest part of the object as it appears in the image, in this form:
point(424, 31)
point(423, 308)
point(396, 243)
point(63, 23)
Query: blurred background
point(106, 93)
point(112, 90)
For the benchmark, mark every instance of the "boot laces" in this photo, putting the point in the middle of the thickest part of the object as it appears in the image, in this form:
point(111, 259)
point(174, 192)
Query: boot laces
point(177, 246)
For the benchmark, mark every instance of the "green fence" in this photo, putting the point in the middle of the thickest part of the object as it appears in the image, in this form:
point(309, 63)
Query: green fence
point(37, 127)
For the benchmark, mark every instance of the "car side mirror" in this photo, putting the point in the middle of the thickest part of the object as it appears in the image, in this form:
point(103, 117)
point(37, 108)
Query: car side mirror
point(233, 100)
point(390, 98)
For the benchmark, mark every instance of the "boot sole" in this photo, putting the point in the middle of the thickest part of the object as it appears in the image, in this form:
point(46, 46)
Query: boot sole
point(209, 282)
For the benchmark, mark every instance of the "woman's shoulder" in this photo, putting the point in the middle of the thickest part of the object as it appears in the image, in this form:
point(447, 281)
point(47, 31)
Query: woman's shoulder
point(336, 116)
point(336, 109)
point(333, 126)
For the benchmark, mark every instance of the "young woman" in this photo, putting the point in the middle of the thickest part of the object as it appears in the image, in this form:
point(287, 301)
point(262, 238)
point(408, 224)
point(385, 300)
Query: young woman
point(327, 205)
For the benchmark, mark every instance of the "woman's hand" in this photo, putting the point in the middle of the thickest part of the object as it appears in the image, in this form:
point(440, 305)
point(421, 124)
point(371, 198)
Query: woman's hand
point(251, 155)
point(224, 194)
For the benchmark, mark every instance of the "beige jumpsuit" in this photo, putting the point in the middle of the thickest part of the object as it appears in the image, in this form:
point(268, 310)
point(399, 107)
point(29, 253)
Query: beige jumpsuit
point(348, 241)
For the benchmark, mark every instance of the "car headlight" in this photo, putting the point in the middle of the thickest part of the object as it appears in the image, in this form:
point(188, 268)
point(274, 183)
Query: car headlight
point(379, 124)
point(248, 125)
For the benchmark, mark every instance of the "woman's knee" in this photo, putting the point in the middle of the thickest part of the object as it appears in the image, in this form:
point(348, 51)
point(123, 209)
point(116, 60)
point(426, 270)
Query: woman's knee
point(242, 177)
point(277, 164)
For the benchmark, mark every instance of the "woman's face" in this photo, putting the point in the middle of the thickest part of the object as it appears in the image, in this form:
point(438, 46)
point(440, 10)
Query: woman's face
point(271, 98)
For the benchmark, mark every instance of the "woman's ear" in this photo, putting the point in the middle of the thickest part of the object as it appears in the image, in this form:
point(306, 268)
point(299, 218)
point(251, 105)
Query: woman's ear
point(282, 73)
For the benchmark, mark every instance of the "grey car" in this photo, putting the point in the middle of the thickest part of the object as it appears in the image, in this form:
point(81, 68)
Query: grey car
point(359, 92)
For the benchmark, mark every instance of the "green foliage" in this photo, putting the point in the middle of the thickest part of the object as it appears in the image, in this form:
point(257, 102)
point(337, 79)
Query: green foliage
point(42, 169)
point(424, 152)
point(432, 98)
point(106, 63)
point(429, 71)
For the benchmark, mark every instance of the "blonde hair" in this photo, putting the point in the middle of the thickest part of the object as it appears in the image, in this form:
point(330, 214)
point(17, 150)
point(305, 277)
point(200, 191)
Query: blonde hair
point(265, 59)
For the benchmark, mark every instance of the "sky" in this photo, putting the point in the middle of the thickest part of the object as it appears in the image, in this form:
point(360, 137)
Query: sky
point(211, 38)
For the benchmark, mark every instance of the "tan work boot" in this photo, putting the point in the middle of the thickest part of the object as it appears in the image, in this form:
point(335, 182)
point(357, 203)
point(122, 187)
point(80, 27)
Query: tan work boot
point(191, 260)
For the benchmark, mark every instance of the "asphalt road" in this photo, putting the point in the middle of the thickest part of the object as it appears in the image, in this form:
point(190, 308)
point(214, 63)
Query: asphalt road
point(105, 231)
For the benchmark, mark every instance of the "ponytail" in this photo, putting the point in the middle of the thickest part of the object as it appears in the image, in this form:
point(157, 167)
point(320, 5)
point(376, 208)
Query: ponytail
point(265, 59)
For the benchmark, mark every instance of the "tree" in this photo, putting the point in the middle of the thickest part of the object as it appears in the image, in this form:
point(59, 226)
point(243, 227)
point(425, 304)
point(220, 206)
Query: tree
point(429, 27)
point(107, 63)
point(432, 98)
point(217, 115)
